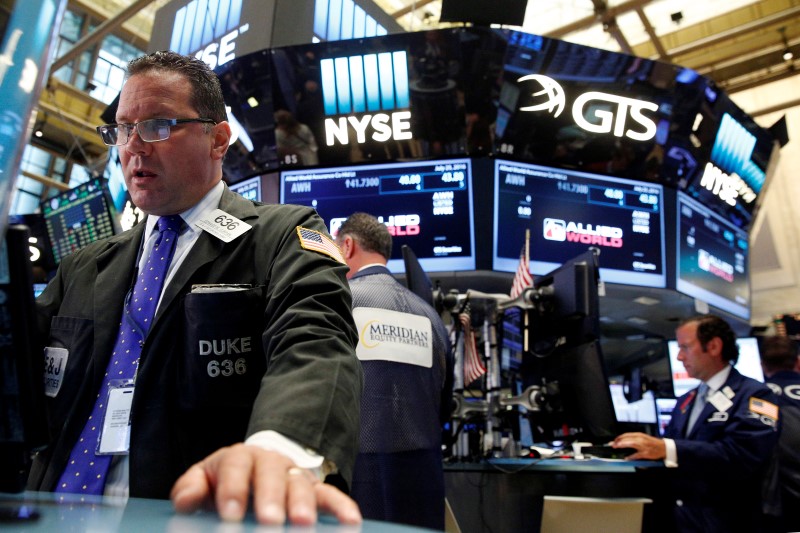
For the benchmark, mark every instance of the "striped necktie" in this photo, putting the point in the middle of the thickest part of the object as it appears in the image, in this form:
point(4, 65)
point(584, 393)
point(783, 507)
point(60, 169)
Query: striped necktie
point(86, 470)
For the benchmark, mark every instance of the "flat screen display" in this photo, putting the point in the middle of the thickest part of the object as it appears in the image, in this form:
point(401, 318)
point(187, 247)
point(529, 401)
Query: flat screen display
point(664, 407)
point(250, 188)
point(78, 217)
point(426, 205)
point(642, 411)
point(748, 364)
point(569, 211)
point(712, 258)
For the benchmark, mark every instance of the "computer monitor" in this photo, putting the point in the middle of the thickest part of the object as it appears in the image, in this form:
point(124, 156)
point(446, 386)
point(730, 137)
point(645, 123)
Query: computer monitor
point(249, 188)
point(565, 356)
point(78, 217)
point(417, 280)
point(749, 364)
point(664, 406)
point(425, 204)
point(642, 411)
point(712, 258)
point(23, 421)
point(569, 211)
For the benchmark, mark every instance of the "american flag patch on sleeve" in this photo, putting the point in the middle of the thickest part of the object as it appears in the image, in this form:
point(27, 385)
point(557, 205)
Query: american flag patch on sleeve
point(319, 242)
point(763, 407)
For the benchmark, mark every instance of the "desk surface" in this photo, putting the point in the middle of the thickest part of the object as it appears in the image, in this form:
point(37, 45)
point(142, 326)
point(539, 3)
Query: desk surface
point(96, 515)
point(514, 465)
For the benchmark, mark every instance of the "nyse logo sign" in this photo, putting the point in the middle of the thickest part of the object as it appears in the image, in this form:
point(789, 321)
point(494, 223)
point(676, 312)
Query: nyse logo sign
point(551, 97)
point(365, 91)
point(726, 187)
point(208, 29)
point(733, 173)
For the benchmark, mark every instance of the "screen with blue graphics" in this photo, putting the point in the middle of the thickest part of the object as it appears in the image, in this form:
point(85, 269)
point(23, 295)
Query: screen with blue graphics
point(78, 217)
point(426, 205)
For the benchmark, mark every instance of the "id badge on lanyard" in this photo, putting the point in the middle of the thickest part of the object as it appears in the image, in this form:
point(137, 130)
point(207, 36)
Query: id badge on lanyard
point(115, 436)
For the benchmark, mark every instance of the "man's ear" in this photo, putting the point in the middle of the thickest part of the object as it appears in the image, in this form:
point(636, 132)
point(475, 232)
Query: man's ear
point(347, 247)
point(714, 346)
point(221, 138)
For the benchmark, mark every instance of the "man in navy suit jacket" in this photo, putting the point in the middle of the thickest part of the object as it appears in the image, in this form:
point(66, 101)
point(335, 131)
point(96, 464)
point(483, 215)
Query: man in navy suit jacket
point(721, 458)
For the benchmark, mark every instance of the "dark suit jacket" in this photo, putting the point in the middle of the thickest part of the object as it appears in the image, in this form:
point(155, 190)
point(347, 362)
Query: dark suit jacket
point(279, 355)
point(723, 458)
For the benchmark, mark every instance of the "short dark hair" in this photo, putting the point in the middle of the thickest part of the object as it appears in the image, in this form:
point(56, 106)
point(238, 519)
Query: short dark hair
point(710, 326)
point(778, 353)
point(206, 95)
point(371, 234)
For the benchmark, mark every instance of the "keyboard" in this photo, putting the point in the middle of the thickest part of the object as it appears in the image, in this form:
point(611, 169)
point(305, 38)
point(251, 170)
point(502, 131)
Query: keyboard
point(604, 451)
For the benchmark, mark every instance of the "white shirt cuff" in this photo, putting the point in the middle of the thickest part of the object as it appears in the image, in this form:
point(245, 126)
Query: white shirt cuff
point(301, 456)
point(671, 460)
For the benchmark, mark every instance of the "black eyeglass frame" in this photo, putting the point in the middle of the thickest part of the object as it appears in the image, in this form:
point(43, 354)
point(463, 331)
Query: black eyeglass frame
point(128, 128)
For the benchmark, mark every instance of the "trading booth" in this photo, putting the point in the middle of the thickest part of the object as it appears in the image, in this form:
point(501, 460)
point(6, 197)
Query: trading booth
point(613, 172)
point(610, 172)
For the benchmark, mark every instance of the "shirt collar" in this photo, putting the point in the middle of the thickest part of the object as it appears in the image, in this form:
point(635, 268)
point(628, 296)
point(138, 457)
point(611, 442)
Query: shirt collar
point(208, 203)
point(716, 381)
point(372, 265)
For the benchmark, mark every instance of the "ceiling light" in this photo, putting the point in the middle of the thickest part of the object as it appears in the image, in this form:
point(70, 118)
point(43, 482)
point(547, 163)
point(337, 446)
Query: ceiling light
point(787, 52)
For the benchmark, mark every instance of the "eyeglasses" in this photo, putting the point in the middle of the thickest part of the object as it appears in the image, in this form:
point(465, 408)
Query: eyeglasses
point(152, 130)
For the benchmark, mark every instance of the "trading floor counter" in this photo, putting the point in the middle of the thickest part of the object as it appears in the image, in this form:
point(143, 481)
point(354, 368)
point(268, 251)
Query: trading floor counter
point(507, 495)
point(99, 515)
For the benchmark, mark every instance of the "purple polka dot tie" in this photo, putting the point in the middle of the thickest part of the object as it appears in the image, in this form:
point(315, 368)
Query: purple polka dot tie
point(85, 472)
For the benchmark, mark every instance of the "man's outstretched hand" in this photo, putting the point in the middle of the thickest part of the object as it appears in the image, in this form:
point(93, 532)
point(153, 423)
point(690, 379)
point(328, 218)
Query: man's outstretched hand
point(223, 480)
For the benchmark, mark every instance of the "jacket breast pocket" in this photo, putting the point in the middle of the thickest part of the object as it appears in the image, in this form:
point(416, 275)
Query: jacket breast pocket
point(223, 361)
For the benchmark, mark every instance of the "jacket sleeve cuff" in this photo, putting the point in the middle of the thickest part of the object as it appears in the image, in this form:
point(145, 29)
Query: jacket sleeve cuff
point(671, 460)
point(301, 456)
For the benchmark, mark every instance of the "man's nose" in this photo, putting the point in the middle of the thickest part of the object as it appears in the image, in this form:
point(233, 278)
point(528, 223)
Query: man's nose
point(135, 144)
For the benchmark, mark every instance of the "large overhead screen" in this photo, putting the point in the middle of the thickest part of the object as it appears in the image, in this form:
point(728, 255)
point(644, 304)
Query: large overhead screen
point(566, 105)
point(568, 211)
point(475, 92)
point(712, 258)
point(426, 205)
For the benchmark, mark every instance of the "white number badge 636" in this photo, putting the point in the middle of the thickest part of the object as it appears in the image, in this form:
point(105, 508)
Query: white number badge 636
point(222, 225)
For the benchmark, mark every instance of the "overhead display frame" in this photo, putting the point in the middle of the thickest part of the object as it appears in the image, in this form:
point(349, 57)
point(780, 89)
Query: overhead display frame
point(426, 205)
point(474, 92)
point(568, 211)
point(712, 258)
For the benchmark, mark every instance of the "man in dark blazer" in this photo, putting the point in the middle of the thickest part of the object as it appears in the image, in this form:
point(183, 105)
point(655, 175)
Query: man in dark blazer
point(779, 360)
point(408, 384)
point(247, 375)
point(722, 454)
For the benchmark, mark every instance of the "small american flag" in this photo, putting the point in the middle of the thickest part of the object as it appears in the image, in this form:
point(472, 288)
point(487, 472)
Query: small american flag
point(763, 407)
point(314, 240)
point(522, 279)
point(473, 364)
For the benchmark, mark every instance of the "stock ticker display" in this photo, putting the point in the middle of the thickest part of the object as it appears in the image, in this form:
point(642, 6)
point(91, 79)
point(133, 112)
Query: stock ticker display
point(426, 205)
point(78, 217)
point(712, 256)
point(567, 211)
